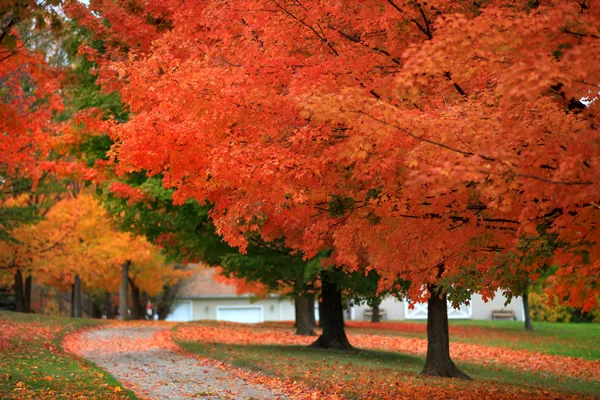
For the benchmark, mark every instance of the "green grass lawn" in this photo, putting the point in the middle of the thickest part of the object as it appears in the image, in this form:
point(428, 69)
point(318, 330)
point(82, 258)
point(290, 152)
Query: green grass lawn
point(358, 370)
point(565, 339)
point(34, 366)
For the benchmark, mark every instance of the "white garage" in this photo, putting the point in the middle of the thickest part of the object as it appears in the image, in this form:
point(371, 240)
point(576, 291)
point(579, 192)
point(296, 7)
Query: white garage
point(241, 314)
point(200, 297)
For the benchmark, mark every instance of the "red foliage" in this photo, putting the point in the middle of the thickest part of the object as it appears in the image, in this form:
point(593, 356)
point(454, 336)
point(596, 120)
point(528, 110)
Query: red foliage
point(124, 191)
point(242, 286)
point(30, 98)
point(400, 134)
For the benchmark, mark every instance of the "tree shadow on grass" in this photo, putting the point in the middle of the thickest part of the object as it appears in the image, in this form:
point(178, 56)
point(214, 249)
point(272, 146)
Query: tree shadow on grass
point(270, 359)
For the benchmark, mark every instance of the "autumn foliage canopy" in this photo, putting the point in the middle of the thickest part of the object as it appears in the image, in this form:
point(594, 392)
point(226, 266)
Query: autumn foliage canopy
point(402, 135)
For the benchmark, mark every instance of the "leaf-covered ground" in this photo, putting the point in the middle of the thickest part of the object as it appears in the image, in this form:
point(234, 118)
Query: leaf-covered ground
point(547, 337)
point(142, 356)
point(33, 364)
point(387, 365)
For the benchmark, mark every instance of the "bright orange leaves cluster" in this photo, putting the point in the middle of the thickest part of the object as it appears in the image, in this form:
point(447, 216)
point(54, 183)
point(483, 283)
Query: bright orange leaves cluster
point(29, 100)
point(401, 134)
point(242, 286)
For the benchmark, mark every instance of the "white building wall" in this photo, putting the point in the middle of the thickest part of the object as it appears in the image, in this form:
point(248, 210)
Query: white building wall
point(480, 310)
point(393, 308)
point(483, 310)
point(273, 309)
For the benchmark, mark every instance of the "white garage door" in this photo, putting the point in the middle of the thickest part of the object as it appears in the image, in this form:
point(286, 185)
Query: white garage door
point(242, 314)
point(181, 312)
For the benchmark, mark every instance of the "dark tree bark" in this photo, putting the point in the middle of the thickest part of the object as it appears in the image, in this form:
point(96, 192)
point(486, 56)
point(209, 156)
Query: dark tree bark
point(76, 298)
point(27, 294)
point(19, 298)
point(123, 292)
point(137, 310)
point(332, 317)
point(528, 326)
point(304, 326)
point(375, 317)
point(438, 361)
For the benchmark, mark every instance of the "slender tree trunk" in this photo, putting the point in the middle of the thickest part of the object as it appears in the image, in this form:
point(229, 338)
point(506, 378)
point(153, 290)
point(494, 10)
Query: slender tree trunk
point(137, 310)
point(376, 317)
point(19, 298)
point(76, 298)
point(304, 326)
point(528, 326)
point(27, 294)
point(332, 317)
point(438, 361)
point(123, 292)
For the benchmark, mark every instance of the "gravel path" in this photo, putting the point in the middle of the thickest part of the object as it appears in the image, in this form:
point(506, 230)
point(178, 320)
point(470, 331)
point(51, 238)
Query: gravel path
point(144, 361)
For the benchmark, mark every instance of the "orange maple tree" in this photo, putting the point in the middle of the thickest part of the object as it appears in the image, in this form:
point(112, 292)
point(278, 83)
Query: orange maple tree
point(424, 140)
point(30, 97)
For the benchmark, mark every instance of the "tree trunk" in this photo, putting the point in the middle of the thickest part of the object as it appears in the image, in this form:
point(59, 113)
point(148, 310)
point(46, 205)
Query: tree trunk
point(138, 311)
point(332, 317)
point(123, 292)
point(27, 294)
point(375, 317)
point(438, 361)
point(19, 298)
point(320, 311)
point(528, 326)
point(304, 326)
point(76, 298)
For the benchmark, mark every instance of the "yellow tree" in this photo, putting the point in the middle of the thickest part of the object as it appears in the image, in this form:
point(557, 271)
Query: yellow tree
point(20, 257)
point(76, 244)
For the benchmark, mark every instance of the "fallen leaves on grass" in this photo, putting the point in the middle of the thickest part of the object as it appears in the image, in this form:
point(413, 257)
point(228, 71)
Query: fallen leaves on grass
point(343, 379)
point(485, 355)
point(13, 332)
point(32, 365)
